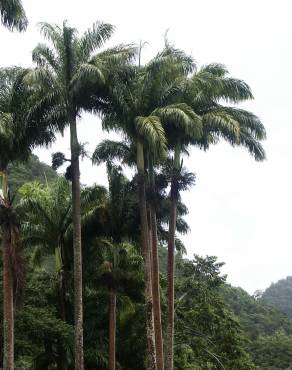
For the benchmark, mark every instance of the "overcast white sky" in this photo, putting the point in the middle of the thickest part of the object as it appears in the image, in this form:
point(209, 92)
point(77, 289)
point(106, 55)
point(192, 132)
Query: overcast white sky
point(240, 210)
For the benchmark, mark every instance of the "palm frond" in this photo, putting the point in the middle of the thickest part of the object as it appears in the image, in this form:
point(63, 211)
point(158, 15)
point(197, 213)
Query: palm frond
point(43, 56)
point(94, 38)
point(151, 130)
point(109, 150)
point(13, 15)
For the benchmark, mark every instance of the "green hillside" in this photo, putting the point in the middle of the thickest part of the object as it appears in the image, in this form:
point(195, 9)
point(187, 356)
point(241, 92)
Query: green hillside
point(33, 170)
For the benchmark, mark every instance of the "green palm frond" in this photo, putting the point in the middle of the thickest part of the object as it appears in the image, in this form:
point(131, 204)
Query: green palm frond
point(51, 32)
point(214, 83)
point(182, 117)
point(87, 72)
point(171, 59)
point(151, 130)
point(214, 69)
point(117, 55)
point(94, 38)
point(109, 150)
point(221, 124)
point(248, 120)
point(42, 55)
point(254, 147)
point(13, 15)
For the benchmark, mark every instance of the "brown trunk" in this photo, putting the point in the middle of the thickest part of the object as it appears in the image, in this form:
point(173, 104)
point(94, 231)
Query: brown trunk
point(156, 291)
point(171, 261)
point(151, 358)
point(8, 312)
point(112, 331)
point(8, 302)
point(78, 304)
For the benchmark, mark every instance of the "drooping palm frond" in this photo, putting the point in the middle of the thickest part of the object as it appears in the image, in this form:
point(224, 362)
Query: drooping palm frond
point(214, 83)
point(51, 32)
point(93, 39)
point(180, 117)
point(254, 147)
point(117, 55)
point(248, 120)
point(151, 130)
point(42, 55)
point(109, 150)
point(222, 125)
point(13, 15)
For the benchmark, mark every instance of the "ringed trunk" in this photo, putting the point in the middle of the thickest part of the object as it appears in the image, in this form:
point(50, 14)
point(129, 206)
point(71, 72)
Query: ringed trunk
point(151, 355)
point(78, 302)
point(112, 330)
point(171, 261)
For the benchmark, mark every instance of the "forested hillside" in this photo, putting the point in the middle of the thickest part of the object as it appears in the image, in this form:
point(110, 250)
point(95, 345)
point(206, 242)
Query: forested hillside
point(32, 170)
point(279, 295)
point(217, 326)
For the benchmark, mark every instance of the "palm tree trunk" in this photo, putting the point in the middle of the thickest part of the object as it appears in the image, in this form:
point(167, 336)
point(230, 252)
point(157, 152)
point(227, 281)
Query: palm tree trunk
point(155, 274)
point(151, 358)
point(171, 260)
point(62, 363)
point(8, 302)
point(112, 331)
point(8, 309)
point(78, 303)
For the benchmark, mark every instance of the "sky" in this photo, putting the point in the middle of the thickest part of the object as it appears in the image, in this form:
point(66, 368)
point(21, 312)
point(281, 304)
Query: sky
point(239, 210)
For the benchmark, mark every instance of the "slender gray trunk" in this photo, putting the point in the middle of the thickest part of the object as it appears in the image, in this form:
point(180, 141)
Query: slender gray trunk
point(78, 303)
point(171, 262)
point(155, 273)
point(151, 354)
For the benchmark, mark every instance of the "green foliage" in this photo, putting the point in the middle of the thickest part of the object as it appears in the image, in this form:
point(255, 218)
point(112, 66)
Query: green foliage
point(13, 15)
point(264, 326)
point(33, 170)
point(279, 295)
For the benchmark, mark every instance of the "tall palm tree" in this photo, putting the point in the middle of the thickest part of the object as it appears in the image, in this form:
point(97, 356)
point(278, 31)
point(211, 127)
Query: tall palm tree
point(134, 110)
point(67, 73)
point(13, 15)
point(17, 139)
point(120, 264)
point(204, 91)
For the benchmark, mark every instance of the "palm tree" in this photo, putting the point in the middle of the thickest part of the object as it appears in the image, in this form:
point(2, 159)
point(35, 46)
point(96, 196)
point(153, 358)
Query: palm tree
point(17, 138)
point(47, 227)
point(120, 264)
point(66, 75)
point(134, 109)
point(204, 91)
point(13, 15)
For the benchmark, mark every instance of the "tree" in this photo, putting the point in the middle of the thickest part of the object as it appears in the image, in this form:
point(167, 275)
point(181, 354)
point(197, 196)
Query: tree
point(47, 227)
point(17, 139)
point(66, 75)
point(13, 15)
point(119, 268)
point(204, 91)
point(134, 109)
